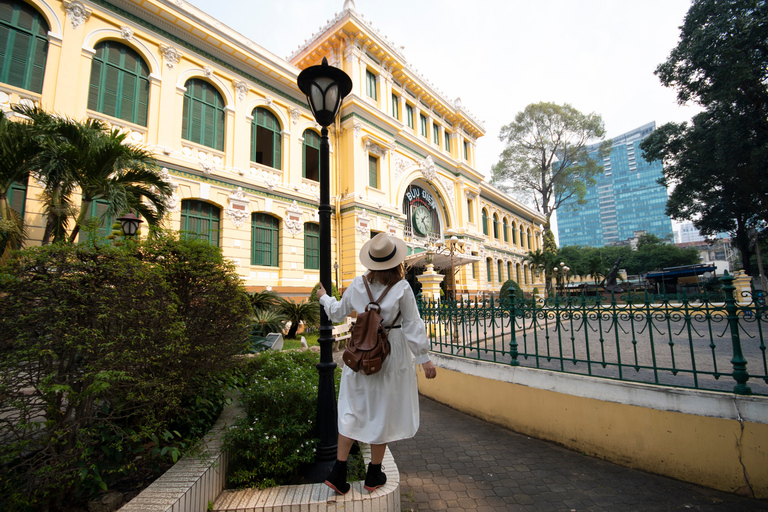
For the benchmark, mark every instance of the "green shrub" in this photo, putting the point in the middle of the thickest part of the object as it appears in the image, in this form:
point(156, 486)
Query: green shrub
point(109, 353)
point(276, 436)
point(509, 290)
point(334, 292)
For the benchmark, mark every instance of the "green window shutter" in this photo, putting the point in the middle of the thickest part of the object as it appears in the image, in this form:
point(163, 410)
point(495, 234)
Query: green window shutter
point(423, 125)
point(409, 115)
point(310, 163)
point(436, 134)
point(311, 246)
point(500, 268)
point(200, 220)
point(488, 270)
point(119, 84)
point(504, 229)
point(266, 138)
point(373, 171)
point(203, 118)
point(395, 107)
point(265, 240)
point(466, 150)
point(17, 197)
point(485, 223)
point(23, 46)
point(447, 142)
point(371, 84)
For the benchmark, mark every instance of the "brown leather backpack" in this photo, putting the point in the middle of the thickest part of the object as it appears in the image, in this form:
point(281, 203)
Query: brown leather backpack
point(368, 345)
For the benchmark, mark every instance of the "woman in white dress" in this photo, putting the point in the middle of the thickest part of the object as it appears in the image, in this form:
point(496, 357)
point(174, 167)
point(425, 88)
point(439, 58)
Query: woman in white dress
point(384, 407)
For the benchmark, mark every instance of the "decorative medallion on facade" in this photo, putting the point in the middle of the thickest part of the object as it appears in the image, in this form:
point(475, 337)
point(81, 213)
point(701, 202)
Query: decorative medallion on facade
point(428, 168)
point(77, 13)
point(207, 167)
point(294, 115)
point(241, 88)
point(237, 210)
point(293, 222)
point(171, 55)
point(208, 72)
point(363, 227)
point(126, 32)
point(271, 182)
point(358, 127)
point(268, 100)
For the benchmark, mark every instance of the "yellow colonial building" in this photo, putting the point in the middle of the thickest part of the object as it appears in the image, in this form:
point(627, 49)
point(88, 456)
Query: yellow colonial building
point(238, 143)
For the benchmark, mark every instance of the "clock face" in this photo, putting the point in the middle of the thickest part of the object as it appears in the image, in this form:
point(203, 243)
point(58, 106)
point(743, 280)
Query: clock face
point(422, 220)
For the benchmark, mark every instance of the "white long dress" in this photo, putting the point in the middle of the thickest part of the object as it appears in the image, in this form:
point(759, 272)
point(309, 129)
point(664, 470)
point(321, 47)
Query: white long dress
point(382, 407)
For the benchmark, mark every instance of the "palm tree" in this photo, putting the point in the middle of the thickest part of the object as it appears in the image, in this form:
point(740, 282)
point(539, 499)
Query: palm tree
point(544, 261)
point(297, 312)
point(264, 300)
point(596, 268)
point(16, 148)
point(100, 163)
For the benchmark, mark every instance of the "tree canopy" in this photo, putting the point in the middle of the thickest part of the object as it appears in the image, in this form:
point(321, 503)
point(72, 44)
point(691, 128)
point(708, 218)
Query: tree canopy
point(716, 165)
point(546, 155)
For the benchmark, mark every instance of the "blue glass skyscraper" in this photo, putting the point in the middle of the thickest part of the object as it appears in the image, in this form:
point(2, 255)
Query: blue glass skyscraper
point(626, 198)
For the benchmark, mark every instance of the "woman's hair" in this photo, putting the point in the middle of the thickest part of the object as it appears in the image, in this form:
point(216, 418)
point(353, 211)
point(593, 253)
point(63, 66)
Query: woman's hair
point(388, 276)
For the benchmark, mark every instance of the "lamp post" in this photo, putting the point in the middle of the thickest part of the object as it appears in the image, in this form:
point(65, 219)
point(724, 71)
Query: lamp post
point(325, 86)
point(129, 223)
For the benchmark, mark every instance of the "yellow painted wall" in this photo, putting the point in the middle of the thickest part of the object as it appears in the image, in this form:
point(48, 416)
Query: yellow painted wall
point(716, 452)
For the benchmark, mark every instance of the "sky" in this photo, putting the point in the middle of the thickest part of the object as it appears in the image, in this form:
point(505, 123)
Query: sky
point(499, 56)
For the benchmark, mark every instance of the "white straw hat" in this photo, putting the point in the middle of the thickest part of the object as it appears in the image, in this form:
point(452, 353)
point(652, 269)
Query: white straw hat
point(383, 252)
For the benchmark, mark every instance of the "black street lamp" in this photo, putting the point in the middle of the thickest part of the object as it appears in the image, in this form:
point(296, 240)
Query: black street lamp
point(129, 223)
point(325, 86)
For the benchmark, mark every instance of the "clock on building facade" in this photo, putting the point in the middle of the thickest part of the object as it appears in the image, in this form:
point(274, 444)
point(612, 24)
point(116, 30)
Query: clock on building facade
point(421, 212)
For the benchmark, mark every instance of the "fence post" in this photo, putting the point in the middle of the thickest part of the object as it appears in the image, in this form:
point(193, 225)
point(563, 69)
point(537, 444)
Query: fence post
point(513, 322)
point(740, 374)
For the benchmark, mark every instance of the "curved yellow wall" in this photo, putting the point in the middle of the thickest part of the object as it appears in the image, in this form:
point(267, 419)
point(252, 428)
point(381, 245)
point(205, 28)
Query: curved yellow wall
point(710, 439)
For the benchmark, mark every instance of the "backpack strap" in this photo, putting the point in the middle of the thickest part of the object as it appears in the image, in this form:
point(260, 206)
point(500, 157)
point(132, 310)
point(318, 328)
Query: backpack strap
point(370, 298)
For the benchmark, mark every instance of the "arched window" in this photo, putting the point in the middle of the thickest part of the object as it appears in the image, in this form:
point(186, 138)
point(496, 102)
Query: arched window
point(488, 270)
point(485, 222)
point(311, 246)
point(23, 46)
point(525, 274)
point(509, 270)
point(505, 226)
point(265, 240)
point(119, 83)
point(311, 156)
point(517, 272)
point(203, 118)
point(529, 239)
point(200, 220)
point(500, 269)
point(266, 139)
point(99, 211)
point(495, 226)
point(514, 233)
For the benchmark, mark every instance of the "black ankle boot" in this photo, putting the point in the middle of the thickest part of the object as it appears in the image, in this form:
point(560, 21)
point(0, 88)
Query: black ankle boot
point(337, 480)
point(375, 477)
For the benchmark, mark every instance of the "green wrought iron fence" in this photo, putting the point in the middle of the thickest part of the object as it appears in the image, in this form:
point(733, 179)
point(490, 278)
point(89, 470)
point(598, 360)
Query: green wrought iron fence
point(704, 342)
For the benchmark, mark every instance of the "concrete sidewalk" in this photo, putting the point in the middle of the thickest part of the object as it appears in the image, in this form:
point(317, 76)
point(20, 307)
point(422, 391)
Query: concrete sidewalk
point(457, 462)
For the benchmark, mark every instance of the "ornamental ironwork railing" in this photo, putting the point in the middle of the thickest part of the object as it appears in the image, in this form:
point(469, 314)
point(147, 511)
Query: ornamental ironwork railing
point(709, 342)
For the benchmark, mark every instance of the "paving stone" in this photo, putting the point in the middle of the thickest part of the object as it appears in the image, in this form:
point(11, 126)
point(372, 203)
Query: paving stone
point(457, 462)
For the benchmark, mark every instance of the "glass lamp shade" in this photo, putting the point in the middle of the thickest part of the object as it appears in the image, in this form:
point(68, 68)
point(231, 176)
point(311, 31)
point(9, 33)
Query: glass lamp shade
point(130, 224)
point(325, 86)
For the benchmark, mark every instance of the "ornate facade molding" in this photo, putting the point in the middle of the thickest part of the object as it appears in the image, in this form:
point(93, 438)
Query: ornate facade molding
point(374, 148)
point(171, 55)
point(358, 127)
point(268, 100)
point(401, 165)
point(363, 227)
point(448, 184)
point(208, 72)
point(207, 167)
point(77, 13)
point(241, 88)
point(237, 210)
point(172, 202)
point(428, 168)
point(126, 32)
point(294, 115)
point(293, 223)
point(271, 182)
